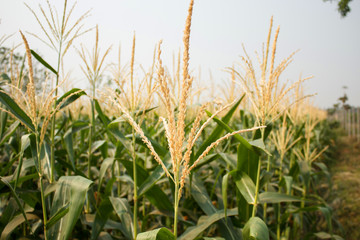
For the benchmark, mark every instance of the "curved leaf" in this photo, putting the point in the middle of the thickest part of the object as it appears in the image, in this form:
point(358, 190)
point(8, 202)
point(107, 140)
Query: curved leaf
point(16, 110)
point(10, 131)
point(216, 133)
point(245, 185)
point(205, 222)
point(123, 210)
point(101, 217)
point(152, 179)
point(275, 197)
point(157, 234)
point(75, 94)
point(72, 190)
point(255, 229)
point(14, 223)
point(43, 62)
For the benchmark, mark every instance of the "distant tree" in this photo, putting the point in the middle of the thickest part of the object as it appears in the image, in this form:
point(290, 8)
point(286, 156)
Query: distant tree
point(343, 7)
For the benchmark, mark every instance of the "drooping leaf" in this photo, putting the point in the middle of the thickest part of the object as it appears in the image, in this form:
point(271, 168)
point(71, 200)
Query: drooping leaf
point(57, 216)
point(104, 166)
point(245, 185)
point(155, 195)
point(24, 216)
point(225, 182)
point(43, 62)
point(324, 235)
point(216, 133)
point(157, 234)
point(14, 223)
point(104, 119)
point(275, 197)
point(9, 132)
point(101, 217)
point(70, 190)
point(123, 210)
point(255, 229)
point(66, 99)
point(199, 193)
point(16, 110)
point(205, 222)
point(96, 145)
point(152, 179)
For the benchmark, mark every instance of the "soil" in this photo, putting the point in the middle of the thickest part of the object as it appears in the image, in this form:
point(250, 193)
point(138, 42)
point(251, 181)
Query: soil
point(346, 187)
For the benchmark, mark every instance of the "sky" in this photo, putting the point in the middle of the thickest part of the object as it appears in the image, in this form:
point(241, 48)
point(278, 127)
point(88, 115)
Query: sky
point(329, 46)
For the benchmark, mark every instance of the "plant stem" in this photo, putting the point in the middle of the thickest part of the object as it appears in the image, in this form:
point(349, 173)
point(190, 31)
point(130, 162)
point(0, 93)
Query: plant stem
point(53, 120)
point(257, 189)
point(40, 172)
point(258, 179)
point(135, 184)
point(176, 202)
point(266, 188)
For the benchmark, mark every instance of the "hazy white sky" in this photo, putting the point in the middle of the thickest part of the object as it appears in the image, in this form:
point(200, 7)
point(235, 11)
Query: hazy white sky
point(329, 45)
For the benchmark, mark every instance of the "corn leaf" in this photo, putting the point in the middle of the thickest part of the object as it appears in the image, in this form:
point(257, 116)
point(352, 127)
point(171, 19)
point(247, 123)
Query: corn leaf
point(157, 234)
point(153, 178)
point(101, 217)
point(205, 222)
point(199, 193)
point(155, 195)
point(57, 216)
point(104, 166)
point(275, 197)
point(24, 216)
point(216, 133)
point(70, 99)
point(245, 185)
point(16, 110)
point(14, 223)
point(43, 62)
point(123, 210)
point(70, 190)
point(9, 132)
point(255, 229)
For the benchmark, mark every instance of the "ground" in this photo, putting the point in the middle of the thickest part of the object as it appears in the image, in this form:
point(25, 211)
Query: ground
point(346, 186)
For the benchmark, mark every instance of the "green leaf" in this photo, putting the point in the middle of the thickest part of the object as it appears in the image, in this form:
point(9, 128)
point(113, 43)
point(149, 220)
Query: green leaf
point(9, 132)
point(75, 94)
point(14, 223)
point(255, 229)
point(160, 150)
point(245, 185)
point(230, 159)
point(152, 179)
point(101, 217)
point(104, 166)
point(16, 110)
point(157, 234)
point(275, 197)
point(57, 216)
point(224, 187)
point(216, 133)
point(324, 235)
point(199, 193)
point(16, 199)
point(43, 62)
point(123, 210)
point(70, 190)
point(96, 145)
point(205, 222)
point(104, 119)
point(155, 195)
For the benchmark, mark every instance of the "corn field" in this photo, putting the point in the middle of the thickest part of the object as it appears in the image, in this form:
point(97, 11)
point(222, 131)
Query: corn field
point(143, 158)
